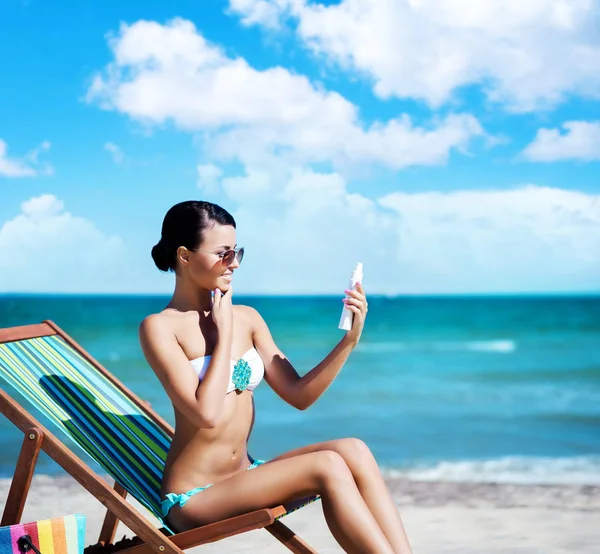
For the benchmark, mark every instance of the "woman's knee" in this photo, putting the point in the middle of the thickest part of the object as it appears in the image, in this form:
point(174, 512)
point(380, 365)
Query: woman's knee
point(331, 466)
point(356, 451)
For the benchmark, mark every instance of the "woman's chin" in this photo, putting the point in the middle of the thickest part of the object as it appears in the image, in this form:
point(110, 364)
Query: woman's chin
point(223, 284)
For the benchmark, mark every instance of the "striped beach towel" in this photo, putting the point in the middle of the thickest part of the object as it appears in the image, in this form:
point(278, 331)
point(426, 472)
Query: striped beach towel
point(61, 535)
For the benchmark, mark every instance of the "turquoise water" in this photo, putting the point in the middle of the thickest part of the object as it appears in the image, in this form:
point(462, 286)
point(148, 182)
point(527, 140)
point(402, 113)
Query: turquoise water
point(504, 389)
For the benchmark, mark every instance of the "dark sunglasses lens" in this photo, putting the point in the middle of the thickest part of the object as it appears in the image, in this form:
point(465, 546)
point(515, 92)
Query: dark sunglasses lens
point(230, 255)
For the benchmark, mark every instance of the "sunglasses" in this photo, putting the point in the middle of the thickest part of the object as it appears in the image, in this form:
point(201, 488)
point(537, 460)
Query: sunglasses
point(228, 256)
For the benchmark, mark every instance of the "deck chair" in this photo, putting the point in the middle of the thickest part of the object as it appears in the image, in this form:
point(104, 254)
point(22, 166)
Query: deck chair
point(117, 429)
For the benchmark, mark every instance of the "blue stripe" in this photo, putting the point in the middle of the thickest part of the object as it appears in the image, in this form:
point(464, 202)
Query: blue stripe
point(5, 541)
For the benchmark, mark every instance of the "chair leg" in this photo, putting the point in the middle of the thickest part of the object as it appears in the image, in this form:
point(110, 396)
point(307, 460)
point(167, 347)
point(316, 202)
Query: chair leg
point(109, 527)
point(21, 481)
point(289, 539)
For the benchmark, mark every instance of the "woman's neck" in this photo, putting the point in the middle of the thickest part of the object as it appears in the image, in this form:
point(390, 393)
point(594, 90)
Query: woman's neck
point(190, 298)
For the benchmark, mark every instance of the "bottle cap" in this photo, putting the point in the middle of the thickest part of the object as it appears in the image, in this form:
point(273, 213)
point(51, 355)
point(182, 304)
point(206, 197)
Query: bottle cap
point(358, 270)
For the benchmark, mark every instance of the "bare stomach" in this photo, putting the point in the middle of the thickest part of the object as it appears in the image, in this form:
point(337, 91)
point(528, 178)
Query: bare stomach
point(198, 457)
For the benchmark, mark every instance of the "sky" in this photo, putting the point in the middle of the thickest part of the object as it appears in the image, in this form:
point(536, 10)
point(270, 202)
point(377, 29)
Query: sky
point(451, 146)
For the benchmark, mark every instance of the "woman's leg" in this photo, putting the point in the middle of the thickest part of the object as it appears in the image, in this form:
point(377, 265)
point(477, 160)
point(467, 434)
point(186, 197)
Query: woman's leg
point(370, 483)
point(276, 482)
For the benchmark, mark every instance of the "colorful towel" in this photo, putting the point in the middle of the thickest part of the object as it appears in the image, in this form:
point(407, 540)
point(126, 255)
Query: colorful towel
point(61, 535)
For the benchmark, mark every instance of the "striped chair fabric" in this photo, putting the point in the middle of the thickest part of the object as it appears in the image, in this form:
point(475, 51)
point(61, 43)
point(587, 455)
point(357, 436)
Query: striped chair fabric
point(82, 402)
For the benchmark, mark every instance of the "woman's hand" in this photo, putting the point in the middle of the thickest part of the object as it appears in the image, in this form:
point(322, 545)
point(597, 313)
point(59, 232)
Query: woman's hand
point(222, 312)
point(357, 304)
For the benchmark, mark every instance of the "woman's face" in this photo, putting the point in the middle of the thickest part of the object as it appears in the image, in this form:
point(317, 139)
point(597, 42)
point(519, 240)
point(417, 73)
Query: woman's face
point(204, 266)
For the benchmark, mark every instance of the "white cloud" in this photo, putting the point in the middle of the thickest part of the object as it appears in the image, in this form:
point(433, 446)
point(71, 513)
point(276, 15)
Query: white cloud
point(255, 182)
point(117, 154)
point(306, 231)
point(263, 12)
point(209, 176)
point(40, 207)
point(526, 55)
point(303, 229)
point(170, 73)
point(579, 141)
point(27, 166)
point(528, 239)
point(307, 236)
point(47, 249)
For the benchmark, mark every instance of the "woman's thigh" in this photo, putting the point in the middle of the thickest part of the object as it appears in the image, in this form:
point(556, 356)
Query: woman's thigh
point(268, 485)
point(355, 452)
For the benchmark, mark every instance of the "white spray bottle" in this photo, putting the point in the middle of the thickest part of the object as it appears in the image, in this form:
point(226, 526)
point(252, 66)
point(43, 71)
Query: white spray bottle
point(347, 315)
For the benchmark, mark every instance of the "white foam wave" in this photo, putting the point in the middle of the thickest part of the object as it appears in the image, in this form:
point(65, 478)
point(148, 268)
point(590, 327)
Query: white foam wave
point(502, 346)
point(492, 346)
point(512, 469)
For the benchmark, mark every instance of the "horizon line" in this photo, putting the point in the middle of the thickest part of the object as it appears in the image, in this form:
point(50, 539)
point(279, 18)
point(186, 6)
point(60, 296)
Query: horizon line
point(307, 294)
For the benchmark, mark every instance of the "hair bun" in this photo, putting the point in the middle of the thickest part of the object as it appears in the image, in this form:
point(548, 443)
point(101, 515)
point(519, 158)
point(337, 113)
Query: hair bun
point(161, 255)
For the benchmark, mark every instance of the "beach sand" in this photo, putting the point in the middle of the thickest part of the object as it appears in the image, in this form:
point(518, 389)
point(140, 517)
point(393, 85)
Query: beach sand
point(440, 517)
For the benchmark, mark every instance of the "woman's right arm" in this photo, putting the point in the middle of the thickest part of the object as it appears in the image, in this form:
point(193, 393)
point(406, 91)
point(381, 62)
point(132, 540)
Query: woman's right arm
point(199, 401)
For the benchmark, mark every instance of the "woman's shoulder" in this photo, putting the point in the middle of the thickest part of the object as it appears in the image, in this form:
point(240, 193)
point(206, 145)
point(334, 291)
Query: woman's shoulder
point(166, 321)
point(247, 313)
point(249, 317)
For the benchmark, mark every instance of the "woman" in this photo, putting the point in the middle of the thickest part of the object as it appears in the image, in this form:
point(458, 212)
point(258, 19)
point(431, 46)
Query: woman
point(209, 355)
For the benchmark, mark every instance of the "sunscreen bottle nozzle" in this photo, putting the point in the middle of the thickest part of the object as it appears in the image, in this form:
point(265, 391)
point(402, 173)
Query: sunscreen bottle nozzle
point(358, 271)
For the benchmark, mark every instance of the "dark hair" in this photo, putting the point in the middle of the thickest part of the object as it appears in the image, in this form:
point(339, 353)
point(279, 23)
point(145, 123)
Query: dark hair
point(184, 225)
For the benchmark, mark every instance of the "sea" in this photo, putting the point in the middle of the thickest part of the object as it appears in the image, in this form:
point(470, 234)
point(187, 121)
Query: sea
point(461, 388)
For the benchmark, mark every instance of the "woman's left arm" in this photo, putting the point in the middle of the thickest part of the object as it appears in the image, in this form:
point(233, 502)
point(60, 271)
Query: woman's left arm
point(301, 392)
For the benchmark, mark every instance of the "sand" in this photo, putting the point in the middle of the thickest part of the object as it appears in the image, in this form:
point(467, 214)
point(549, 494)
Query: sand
point(440, 517)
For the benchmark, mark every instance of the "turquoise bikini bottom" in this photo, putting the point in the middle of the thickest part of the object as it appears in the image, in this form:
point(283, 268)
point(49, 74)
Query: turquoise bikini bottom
point(171, 499)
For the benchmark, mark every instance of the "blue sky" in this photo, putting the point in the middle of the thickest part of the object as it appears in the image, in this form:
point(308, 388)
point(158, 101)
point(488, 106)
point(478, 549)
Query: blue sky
point(451, 147)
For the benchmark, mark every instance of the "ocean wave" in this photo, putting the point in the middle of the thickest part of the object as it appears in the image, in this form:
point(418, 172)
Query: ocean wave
point(511, 469)
point(503, 346)
point(492, 345)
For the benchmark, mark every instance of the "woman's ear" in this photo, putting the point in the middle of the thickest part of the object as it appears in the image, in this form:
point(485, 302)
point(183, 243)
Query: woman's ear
point(183, 255)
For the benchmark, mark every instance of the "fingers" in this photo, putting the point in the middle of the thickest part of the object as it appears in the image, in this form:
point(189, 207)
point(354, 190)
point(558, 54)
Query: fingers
point(221, 298)
point(360, 305)
point(356, 298)
point(358, 293)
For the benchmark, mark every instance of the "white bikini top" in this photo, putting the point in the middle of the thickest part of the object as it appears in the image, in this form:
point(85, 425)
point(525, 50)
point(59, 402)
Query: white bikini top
point(246, 373)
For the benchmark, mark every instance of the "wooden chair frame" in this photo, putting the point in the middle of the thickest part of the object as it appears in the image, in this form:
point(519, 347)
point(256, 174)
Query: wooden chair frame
point(37, 438)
